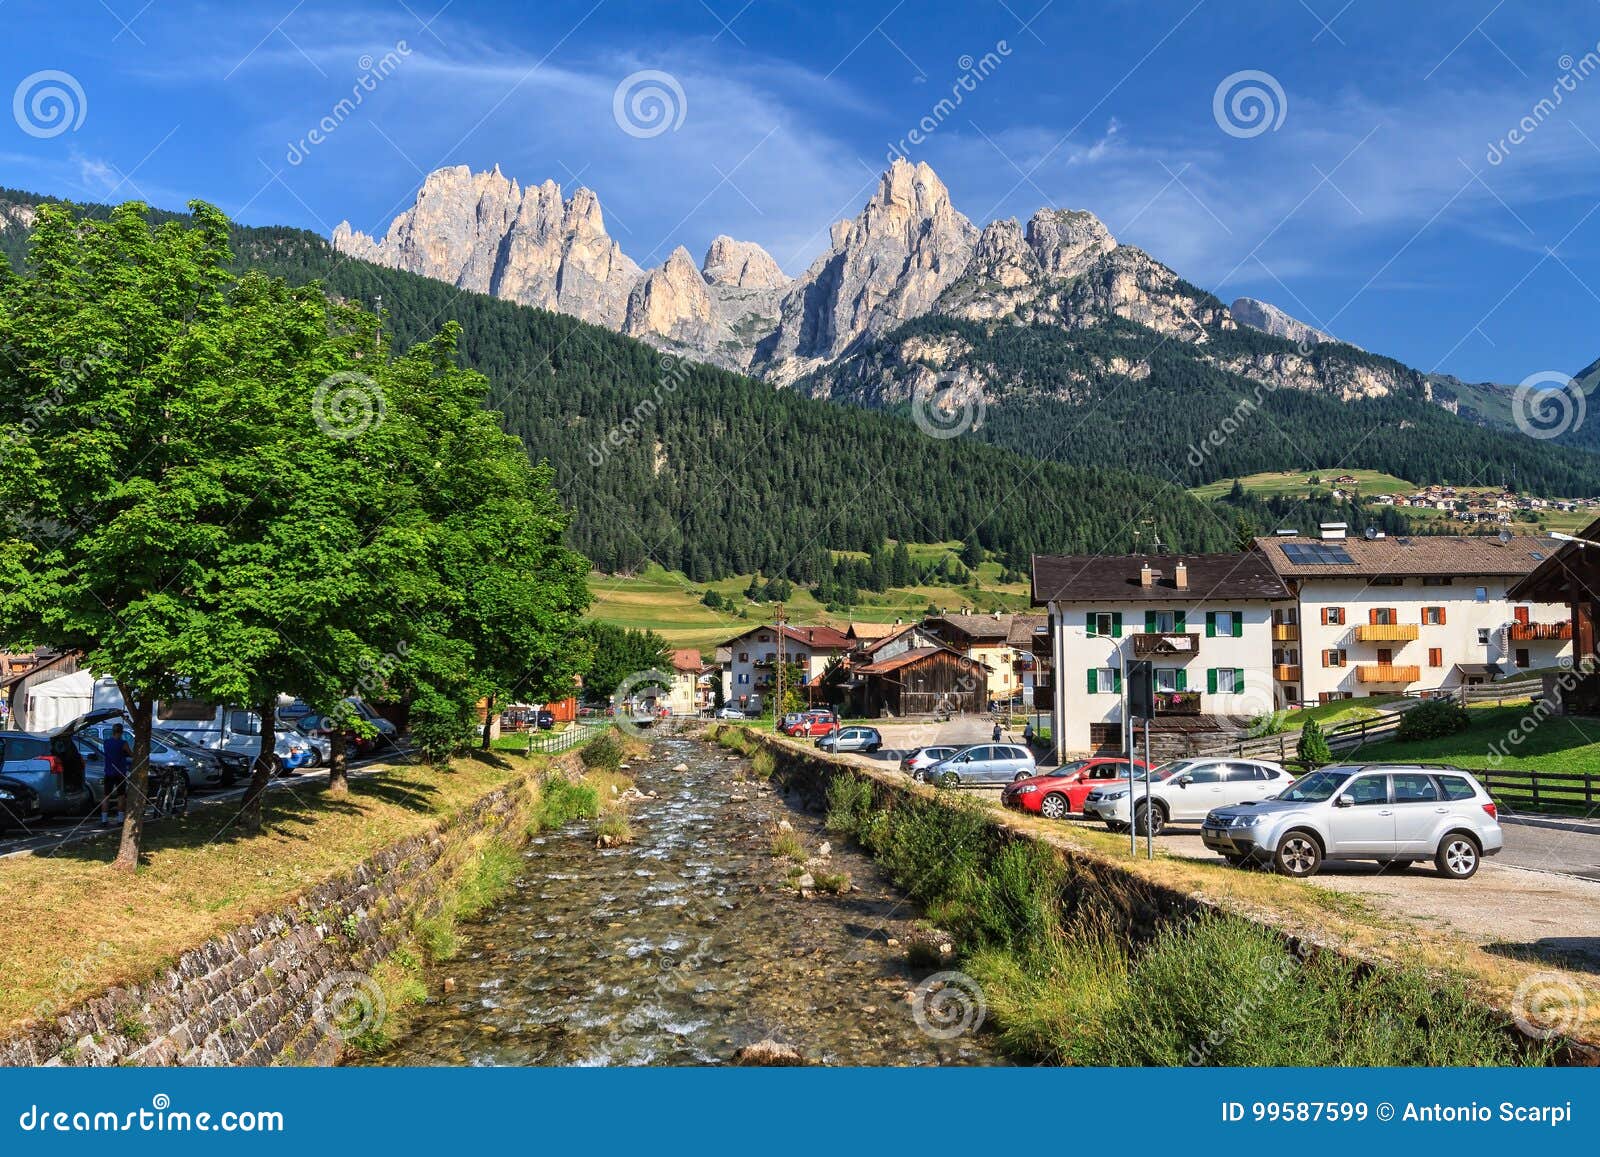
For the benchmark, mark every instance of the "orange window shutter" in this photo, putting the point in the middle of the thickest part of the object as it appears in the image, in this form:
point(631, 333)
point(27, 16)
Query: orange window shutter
point(1441, 616)
point(1324, 616)
point(1372, 616)
point(1521, 614)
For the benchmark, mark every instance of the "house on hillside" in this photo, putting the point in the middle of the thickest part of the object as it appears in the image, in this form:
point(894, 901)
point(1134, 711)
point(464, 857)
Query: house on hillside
point(1385, 615)
point(753, 657)
point(690, 691)
point(1204, 622)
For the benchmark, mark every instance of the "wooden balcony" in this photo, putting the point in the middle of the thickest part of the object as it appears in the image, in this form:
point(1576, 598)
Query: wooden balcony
point(1541, 632)
point(1386, 632)
point(1165, 644)
point(1387, 673)
point(1285, 632)
point(1286, 672)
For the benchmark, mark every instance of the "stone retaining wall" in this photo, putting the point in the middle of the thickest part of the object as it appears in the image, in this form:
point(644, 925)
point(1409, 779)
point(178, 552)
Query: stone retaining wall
point(256, 995)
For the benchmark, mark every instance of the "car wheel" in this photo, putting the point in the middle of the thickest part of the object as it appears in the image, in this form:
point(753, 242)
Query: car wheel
point(949, 779)
point(1459, 856)
point(1116, 825)
point(1020, 776)
point(1053, 806)
point(1394, 865)
point(1298, 854)
point(1149, 819)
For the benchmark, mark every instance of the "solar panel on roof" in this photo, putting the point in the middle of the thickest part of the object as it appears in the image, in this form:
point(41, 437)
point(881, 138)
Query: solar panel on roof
point(1316, 554)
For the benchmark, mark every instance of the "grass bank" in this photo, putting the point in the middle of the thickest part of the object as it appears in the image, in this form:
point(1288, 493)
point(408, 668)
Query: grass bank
point(1499, 741)
point(1083, 957)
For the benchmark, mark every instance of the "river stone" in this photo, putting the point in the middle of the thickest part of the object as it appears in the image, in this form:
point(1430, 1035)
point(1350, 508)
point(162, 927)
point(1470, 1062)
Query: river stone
point(680, 767)
point(768, 1053)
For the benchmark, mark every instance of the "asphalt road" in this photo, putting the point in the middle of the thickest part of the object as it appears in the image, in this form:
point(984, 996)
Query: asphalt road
point(52, 834)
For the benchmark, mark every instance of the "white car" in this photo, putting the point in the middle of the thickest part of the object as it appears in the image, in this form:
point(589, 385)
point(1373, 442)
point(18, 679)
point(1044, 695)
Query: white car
point(729, 713)
point(1396, 814)
point(916, 763)
point(1184, 791)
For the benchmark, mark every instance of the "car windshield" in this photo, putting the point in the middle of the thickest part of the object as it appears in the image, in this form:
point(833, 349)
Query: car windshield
point(1318, 787)
point(1069, 768)
point(1166, 770)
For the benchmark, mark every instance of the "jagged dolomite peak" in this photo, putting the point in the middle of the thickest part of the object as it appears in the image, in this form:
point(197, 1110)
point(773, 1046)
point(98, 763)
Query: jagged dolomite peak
point(1268, 318)
point(673, 303)
point(1068, 241)
point(742, 265)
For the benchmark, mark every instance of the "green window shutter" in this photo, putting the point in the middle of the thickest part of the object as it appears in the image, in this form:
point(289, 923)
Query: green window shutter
point(1116, 624)
point(1177, 621)
point(1211, 680)
point(1183, 679)
point(1238, 681)
point(1092, 679)
point(1238, 624)
point(1116, 682)
point(1149, 622)
point(1211, 624)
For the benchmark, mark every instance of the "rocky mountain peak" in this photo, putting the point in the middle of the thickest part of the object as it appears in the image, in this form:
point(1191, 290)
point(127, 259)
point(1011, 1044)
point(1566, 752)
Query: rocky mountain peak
point(1068, 241)
point(741, 265)
point(1268, 318)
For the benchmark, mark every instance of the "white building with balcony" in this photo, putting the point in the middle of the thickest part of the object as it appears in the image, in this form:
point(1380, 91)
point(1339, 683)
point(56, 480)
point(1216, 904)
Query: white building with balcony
point(1204, 622)
point(1388, 615)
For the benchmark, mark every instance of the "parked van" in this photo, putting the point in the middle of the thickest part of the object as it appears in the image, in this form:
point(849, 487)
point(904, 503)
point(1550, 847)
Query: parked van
point(228, 729)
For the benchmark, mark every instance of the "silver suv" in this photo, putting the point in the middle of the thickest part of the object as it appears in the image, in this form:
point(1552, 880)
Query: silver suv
point(1183, 790)
point(1396, 814)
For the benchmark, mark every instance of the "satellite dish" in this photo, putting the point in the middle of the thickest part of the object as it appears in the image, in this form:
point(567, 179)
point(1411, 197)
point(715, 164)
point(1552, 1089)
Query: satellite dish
point(1371, 533)
point(1505, 537)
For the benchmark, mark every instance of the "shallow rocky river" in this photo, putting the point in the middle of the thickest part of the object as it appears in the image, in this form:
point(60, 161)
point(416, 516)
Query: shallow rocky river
point(684, 946)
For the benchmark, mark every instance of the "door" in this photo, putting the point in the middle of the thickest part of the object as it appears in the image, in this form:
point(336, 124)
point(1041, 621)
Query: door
point(1015, 762)
point(1367, 826)
point(1203, 792)
point(980, 766)
point(1246, 783)
point(1418, 812)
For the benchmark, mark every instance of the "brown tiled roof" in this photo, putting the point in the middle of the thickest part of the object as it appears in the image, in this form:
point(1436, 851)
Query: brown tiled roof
point(687, 659)
point(1023, 628)
point(975, 626)
point(1114, 578)
point(916, 655)
point(867, 631)
point(817, 638)
point(1411, 556)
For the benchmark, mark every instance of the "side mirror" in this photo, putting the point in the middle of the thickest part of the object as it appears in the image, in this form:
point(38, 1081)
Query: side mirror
point(1344, 801)
point(1185, 780)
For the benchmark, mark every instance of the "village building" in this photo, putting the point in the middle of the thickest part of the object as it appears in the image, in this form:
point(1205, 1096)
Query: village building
point(985, 639)
point(1203, 621)
point(1386, 615)
point(750, 678)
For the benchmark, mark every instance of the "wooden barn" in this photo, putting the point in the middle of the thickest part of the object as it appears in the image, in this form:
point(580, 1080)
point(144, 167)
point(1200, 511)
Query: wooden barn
point(919, 682)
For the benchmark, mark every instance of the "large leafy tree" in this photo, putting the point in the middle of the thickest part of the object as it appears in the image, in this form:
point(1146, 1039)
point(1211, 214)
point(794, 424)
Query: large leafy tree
point(112, 401)
point(617, 654)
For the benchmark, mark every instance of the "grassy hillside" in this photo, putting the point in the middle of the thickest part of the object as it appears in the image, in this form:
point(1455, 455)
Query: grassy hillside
point(1295, 484)
point(669, 604)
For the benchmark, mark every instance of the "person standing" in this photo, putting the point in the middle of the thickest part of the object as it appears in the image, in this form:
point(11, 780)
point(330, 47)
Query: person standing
point(116, 780)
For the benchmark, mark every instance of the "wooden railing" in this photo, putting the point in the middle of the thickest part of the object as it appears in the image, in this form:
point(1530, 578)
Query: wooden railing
point(1541, 790)
point(1165, 643)
point(1286, 672)
point(1285, 632)
point(1387, 673)
point(1537, 632)
point(1386, 632)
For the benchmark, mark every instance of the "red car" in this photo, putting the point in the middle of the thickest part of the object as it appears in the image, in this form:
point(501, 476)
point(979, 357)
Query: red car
point(1063, 791)
point(811, 724)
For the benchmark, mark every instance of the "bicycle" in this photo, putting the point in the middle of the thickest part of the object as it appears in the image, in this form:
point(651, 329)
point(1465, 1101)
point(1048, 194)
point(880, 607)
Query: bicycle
point(168, 794)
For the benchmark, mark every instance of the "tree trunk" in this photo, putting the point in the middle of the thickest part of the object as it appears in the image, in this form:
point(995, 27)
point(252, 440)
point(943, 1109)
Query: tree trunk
point(338, 776)
point(488, 723)
point(133, 802)
point(266, 759)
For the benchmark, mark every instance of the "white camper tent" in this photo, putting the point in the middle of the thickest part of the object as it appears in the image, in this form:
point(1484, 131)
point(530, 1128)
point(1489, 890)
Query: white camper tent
point(60, 701)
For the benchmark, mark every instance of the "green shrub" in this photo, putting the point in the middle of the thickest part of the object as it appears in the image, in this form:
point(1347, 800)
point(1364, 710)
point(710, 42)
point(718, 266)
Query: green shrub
point(602, 753)
point(849, 804)
point(1312, 750)
point(563, 801)
point(1434, 719)
point(787, 846)
point(1015, 899)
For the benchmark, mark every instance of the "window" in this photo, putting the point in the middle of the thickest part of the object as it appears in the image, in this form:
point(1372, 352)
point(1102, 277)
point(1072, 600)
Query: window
point(1243, 773)
point(1107, 624)
point(1333, 616)
point(1368, 790)
point(1104, 680)
point(1433, 616)
point(1436, 656)
point(1520, 614)
point(188, 710)
point(1333, 657)
point(1480, 594)
point(744, 656)
point(1163, 622)
point(1386, 581)
point(1437, 580)
point(1456, 788)
point(1483, 636)
point(1286, 616)
point(744, 677)
point(1206, 773)
point(1522, 656)
point(1166, 679)
point(1224, 623)
point(1383, 616)
point(1385, 656)
point(1414, 789)
point(1227, 680)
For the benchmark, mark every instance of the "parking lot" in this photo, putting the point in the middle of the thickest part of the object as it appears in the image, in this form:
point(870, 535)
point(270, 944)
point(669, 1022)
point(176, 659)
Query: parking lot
point(48, 835)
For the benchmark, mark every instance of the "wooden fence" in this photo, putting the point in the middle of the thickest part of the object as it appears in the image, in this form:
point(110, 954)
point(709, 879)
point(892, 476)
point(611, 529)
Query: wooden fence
point(1541, 790)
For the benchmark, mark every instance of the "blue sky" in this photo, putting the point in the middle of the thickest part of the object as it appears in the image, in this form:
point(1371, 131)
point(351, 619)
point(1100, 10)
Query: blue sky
point(1372, 207)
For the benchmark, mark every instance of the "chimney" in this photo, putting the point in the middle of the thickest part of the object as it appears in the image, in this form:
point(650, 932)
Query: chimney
point(1147, 577)
point(1180, 575)
point(1334, 530)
